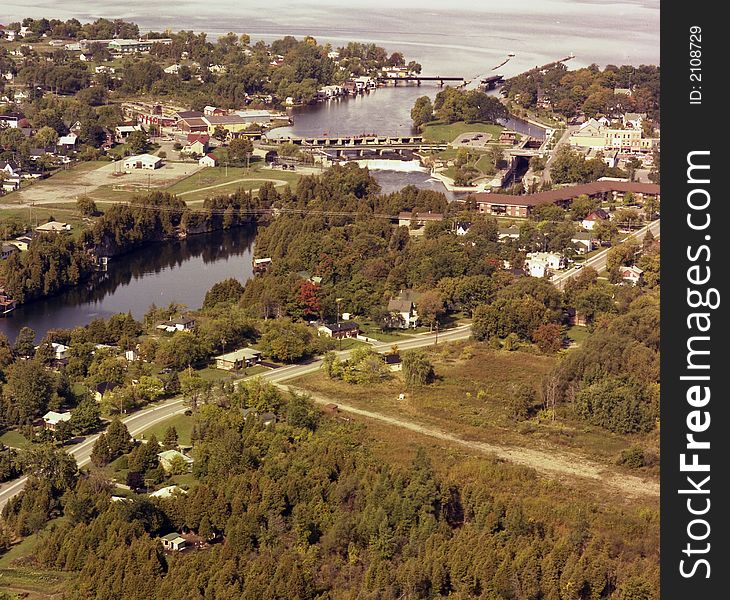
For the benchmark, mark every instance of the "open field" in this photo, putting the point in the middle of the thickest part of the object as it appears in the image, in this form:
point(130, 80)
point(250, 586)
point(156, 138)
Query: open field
point(98, 181)
point(442, 132)
point(470, 401)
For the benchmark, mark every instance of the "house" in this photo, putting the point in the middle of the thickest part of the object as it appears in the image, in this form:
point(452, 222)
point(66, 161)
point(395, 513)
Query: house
point(51, 419)
point(594, 217)
point(60, 352)
point(509, 233)
point(238, 359)
point(541, 264)
point(261, 265)
point(197, 143)
point(178, 324)
point(633, 120)
point(214, 111)
point(393, 361)
point(232, 123)
point(191, 124)
point(22, 242)
point(122, 132)
point(631, 274)
point(208, 161)
point(186, 114)
point(9, 168)
point(167, 492)
point(104, 69)
point(129, 46)
point(583, 242)
point(6, 250)
point(402, 311)
point(131, 355)
point(142, 161)
point(338, 331)
point(102, 389)
point(169, 457)
point(462, 227)
point(173, 542)
point(53, 227)
point(68, 141)
point(172, 69)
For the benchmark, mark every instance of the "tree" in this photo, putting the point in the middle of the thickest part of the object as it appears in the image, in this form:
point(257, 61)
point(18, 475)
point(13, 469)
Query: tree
point(228, 290)
point(240, 148)
point(521, 401)
point(86, 206)
point(144, 457)
point(170, 441)
point(417, 369)
point(118, 438)
point(431, 307)
point(101, 454)
point(286, 341)
point(85, 417)
point(548, 338)
point(46, 137)
point(137, 142)
point(51, 465)
point(25, 342)
point(422, 111)
point(28, 391)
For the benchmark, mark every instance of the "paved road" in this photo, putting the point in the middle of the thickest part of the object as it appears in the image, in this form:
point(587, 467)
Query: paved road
point(142, 420)
point(598, 261)
point(561, 142)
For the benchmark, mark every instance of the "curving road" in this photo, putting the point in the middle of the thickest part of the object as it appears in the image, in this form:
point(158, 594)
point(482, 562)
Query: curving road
point(142, 420)
point(598, 261)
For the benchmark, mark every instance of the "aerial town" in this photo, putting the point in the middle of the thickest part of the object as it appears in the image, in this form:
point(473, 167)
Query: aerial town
point(264, 336)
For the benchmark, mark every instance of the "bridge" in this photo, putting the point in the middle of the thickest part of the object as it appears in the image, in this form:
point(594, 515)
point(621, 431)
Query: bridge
point(376, 144)
point(421, 78)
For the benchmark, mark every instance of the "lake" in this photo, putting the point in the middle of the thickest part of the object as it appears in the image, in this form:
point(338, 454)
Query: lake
point(181, 271)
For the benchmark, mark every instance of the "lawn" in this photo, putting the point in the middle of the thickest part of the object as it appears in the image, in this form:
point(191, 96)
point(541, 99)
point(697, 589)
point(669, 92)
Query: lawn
point(222, 180)
point(578, 334)
point(182, 423)
point(14, 439)
point(442, 132)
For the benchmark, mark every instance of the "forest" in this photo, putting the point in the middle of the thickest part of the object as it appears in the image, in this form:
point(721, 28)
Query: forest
point(304, 509)
point(589, 90)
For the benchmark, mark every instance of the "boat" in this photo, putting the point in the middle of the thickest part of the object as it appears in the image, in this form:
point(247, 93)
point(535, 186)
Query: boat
point(510, 54)
point(7, 305)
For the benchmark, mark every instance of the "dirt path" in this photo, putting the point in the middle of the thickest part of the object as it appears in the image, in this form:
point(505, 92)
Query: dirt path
point(277, 182)
point(552, 463)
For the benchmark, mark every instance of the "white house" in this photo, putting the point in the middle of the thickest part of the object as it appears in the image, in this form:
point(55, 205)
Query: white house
point(167, 492)
point(172, 69)
point(179, 324)
point(51, 419)
point(68, 141)
point(168, 456)
point(173, 541)
point(631, 274)
point(540, 264)
point(403, 311)
point(53, 227)
point(208, 161)
point(142, 161)
point(594, 217)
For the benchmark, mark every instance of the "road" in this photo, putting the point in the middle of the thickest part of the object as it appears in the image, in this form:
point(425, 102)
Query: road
point(144, 419)
point(598, 261)
point(561, 142)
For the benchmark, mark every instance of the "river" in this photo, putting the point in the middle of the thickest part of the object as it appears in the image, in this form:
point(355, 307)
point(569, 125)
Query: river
point(464, 38)
point(181, 271)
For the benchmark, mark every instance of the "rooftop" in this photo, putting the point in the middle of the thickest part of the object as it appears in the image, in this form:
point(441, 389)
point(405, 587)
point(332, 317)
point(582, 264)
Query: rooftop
point(239, 355)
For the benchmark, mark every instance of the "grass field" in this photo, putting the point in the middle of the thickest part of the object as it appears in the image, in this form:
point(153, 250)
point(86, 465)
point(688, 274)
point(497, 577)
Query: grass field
point(182, 423)
point(470, 398)
point(14, 439)
point(212, 181)
point(442, 132)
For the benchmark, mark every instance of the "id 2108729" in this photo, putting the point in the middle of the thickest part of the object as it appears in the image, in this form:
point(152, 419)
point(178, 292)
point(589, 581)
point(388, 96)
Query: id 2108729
point(695, 64)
